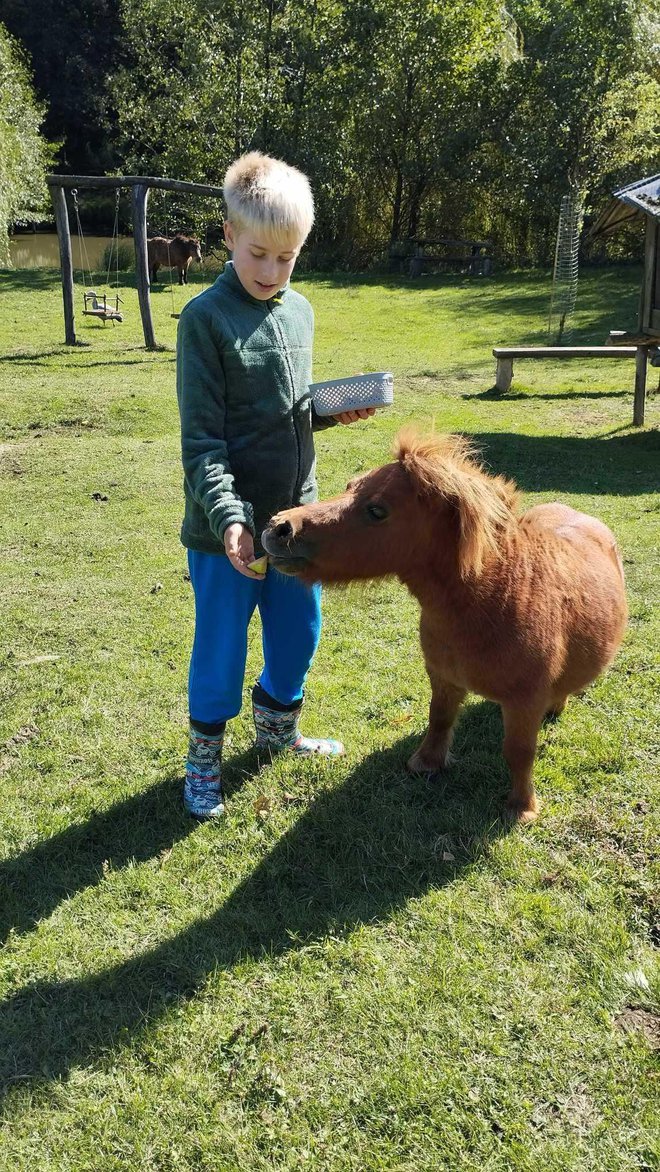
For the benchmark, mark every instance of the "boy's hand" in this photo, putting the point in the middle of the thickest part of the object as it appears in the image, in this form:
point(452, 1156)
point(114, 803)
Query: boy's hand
point(239, 547)
point(353, 416)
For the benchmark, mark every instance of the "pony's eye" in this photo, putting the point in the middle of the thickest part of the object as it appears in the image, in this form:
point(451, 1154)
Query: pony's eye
point(376, 512)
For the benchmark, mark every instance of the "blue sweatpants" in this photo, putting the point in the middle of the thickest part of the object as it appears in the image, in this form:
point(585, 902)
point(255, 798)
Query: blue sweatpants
point(224, 604)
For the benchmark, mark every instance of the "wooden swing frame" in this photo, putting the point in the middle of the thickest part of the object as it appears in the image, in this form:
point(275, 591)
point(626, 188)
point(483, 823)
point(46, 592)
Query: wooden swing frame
point(140, 187)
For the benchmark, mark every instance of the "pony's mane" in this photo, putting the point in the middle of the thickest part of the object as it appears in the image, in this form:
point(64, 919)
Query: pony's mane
point(447, 467)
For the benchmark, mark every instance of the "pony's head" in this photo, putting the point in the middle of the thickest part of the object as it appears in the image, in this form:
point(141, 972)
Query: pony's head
point(190, 246)
point(434, 506)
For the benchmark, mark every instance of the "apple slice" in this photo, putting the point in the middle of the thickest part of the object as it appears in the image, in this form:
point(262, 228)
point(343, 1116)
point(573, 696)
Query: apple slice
point(260, 565)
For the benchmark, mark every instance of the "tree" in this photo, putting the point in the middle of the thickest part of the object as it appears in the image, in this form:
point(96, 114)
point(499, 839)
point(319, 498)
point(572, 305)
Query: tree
point(580, 110)
point(24, 153)
point(75, 46)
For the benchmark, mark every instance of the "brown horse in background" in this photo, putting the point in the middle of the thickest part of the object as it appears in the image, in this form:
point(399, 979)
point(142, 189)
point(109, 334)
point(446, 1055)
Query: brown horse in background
point(523, 610)
point(176, 253)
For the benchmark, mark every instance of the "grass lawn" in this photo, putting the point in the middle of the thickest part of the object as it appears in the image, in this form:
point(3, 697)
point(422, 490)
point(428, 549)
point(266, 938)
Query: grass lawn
point(355, 969)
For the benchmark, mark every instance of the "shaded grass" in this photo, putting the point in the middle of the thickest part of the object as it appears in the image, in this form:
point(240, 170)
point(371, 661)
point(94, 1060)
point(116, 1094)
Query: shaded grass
point(378, 973)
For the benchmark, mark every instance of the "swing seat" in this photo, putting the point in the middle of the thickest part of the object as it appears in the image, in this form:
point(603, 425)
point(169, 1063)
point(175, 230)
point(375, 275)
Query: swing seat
point(97, 306)
point(104, 314)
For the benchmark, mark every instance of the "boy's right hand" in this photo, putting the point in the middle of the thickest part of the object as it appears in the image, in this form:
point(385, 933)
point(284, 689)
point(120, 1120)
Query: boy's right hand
point(239, 547)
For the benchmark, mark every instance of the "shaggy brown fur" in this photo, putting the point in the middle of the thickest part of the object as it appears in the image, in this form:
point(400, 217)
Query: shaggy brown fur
point(524, 610)
point(176, 253)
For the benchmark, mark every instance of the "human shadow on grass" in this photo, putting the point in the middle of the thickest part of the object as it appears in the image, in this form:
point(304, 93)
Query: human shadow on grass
point(623, 465)
point(136, 829)
point(360, 851)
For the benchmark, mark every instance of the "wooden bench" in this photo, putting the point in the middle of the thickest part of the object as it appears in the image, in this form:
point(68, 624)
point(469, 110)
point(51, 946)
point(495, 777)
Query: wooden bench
point(468, 256)
point(505, 356)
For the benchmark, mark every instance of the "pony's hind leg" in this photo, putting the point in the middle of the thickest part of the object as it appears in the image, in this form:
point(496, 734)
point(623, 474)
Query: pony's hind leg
point(521, 727)
point(433, 753)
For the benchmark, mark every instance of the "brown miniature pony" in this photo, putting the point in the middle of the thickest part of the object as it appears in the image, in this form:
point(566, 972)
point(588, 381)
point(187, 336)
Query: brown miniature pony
point(523, 610)
point(176, 253)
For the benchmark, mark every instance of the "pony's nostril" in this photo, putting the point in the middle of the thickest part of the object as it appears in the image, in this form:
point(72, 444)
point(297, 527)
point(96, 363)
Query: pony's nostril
point(284, 530)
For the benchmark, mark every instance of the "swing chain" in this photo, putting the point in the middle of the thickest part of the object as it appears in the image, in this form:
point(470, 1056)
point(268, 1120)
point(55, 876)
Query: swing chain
point(114, 243)
point(84, 259)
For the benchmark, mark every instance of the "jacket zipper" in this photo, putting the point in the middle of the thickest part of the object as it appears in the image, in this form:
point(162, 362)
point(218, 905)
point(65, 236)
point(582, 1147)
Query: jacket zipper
point(293, 397)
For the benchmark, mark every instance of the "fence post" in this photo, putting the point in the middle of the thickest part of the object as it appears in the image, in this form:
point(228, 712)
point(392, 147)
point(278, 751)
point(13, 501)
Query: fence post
point(640, 386)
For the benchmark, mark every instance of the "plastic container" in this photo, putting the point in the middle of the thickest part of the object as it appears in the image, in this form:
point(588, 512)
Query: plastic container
point(352, 393)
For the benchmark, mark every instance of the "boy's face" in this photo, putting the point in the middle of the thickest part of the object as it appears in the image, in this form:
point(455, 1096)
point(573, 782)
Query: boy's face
point(261, 266)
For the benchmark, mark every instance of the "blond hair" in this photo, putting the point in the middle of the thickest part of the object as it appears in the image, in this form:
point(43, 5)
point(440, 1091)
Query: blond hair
point(268, 195)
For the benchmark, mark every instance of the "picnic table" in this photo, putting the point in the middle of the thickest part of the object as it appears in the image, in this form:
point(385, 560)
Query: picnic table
point(474, 257)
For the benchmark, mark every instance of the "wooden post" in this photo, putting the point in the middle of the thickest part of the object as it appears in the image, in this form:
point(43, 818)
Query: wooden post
point(504, 375)
point(640, 386)
point(139, 201)
point(66, 264)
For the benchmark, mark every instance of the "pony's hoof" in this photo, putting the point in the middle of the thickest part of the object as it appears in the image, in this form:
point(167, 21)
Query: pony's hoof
point(417, 764)
point(523, 814)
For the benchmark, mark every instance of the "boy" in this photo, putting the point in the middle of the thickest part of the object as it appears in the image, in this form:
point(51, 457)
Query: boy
point(244, 354)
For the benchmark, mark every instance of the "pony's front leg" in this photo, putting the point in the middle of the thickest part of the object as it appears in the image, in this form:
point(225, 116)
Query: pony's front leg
point(433, 753)
point(521, 727)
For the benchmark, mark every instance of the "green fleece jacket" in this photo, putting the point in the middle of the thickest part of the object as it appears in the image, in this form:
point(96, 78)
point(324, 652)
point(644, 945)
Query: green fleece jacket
point(243, 373)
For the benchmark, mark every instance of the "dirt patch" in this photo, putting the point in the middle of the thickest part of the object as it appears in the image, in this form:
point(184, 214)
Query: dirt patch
point(642, 1021)
point(10, 463)
point(9, 750)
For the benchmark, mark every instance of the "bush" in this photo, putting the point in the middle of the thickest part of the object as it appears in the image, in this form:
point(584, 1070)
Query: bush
point(117, 255)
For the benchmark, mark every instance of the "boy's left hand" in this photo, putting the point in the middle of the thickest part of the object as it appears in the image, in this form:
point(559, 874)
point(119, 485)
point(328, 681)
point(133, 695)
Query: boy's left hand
point(353, 416)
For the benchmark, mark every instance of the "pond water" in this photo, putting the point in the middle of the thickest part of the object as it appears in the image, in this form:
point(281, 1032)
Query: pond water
point(40, 250)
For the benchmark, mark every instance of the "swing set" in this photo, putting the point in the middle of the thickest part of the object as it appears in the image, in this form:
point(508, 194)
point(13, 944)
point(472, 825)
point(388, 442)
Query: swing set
point(106, 306)
point(96, 304)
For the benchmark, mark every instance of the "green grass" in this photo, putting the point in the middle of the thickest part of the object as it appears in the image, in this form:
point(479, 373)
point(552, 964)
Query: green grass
point(380, 973)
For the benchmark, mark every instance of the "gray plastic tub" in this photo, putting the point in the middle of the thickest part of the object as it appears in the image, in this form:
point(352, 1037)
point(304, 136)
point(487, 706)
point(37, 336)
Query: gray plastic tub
point(352, 393)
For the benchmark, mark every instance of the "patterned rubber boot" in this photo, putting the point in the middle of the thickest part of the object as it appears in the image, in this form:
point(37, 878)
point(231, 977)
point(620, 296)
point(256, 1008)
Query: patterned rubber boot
point(202, 791)
point(277, 728)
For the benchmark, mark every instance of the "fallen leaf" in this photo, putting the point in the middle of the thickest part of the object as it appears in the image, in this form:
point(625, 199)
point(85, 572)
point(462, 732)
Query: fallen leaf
point(262, 806)
point(636, 979)
point(448, 857)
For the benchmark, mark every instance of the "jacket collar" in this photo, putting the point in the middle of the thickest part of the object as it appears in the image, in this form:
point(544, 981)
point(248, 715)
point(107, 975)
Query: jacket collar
point(230, 279)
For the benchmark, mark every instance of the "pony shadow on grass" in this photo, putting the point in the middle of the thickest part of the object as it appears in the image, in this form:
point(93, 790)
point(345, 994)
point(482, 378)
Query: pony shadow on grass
point(359, 852)
point(136, 829)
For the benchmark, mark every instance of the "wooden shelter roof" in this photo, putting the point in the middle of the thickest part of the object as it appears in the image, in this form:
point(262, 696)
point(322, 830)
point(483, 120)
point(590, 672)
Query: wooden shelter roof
point(641, 198)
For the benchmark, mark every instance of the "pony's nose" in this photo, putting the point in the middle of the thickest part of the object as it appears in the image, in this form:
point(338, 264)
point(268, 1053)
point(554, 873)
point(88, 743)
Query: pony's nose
point(284, 530)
